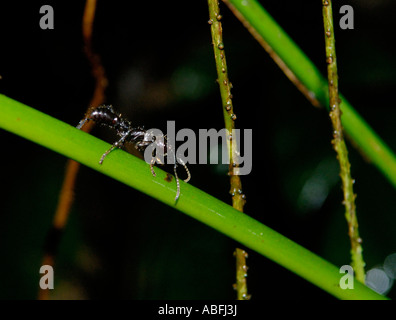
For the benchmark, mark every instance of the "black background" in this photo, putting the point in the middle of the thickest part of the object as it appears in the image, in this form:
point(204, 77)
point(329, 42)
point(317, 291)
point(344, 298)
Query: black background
point(121, 244)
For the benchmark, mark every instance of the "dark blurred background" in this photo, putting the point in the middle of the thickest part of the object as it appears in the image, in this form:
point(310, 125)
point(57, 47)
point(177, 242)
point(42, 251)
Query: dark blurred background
point(121, 244)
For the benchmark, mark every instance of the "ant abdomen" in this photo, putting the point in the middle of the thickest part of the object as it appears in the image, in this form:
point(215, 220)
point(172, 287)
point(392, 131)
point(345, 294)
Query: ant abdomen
point(105, 115)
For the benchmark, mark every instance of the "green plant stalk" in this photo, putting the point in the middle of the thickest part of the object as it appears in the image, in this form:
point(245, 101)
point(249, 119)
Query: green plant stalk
point(66, 140)
point(339, 143)
point(309, 80)
point(238, 198)
point(241, 273)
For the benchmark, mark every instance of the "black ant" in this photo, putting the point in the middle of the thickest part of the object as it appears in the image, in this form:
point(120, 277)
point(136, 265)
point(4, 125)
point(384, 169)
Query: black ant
point(105, 115)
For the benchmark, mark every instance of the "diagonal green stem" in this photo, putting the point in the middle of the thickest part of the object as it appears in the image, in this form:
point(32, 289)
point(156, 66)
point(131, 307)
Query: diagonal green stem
point(125, 168)
point(309, 80)
point(339, 143)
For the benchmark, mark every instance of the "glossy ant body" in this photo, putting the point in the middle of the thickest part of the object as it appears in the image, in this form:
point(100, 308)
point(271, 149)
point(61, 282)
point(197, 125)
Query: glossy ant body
point(106, 116)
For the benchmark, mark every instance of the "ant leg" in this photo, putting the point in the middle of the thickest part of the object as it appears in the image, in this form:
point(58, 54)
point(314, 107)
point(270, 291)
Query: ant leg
point(177, 183)
point(81, 123)
point(104, 155)
point(177, 177)
point(118, 144)
point(185, 168)
point(152, 163)
point(87, 117)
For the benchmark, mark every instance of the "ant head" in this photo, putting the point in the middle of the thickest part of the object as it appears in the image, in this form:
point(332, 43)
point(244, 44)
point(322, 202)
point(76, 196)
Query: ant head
point(155, 136)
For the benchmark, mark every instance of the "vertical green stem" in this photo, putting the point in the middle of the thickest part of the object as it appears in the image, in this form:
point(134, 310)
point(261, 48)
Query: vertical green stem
point(241, 274)
point(339, 143)
point(238, 198)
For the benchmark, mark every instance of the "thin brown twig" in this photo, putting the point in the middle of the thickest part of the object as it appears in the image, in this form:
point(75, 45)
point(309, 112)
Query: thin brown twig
point(66, 195)
point(281, 64)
